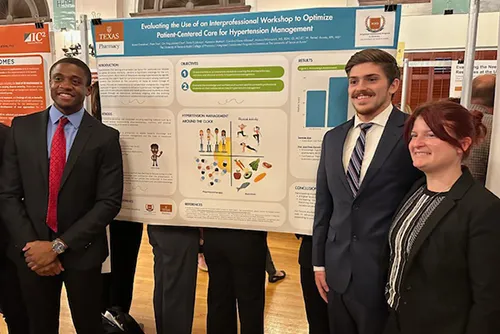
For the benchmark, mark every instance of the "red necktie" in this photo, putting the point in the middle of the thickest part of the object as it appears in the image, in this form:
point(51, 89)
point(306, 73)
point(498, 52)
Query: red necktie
point(56, 168)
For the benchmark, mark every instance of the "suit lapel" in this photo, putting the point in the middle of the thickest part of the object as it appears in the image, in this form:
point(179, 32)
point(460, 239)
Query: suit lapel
point(339, 163)
point(41, 151)
point(390, 137)
point(81, 139)
point(456, 192)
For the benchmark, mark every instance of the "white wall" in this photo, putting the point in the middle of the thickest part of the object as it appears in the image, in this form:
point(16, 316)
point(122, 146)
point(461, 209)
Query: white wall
point(447, 31)
point(267, 5)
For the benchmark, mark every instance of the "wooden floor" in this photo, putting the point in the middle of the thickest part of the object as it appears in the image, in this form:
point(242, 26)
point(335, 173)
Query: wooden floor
point(284, 304)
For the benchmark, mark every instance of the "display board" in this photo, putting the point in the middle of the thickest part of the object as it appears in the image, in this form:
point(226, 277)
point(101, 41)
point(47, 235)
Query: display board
point(457, 73)
point(222, 117)
point(24, 60)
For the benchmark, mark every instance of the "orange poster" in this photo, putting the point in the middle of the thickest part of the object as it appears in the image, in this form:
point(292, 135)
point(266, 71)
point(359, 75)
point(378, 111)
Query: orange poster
point(22, 86)
point(24, 38)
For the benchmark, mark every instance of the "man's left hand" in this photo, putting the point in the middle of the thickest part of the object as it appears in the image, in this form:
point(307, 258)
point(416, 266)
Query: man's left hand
point(39, 254)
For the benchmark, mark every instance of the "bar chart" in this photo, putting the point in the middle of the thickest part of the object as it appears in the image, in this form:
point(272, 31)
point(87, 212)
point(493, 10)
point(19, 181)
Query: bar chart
point(327, 108)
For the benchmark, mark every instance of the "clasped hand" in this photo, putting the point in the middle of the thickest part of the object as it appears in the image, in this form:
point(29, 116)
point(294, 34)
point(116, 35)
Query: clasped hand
point(42, 259)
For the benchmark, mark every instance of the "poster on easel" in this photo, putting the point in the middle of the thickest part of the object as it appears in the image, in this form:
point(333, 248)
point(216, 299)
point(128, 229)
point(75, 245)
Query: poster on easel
point(222, 116)
point(24, 60)
point(457, 73)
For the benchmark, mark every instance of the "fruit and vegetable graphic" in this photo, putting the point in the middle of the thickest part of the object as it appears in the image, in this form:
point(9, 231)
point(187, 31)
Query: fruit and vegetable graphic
point(255, 164)
point(259, 177)
point(250, 172)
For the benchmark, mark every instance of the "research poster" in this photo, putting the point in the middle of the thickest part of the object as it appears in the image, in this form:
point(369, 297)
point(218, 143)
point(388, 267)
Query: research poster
point(24, 60)
point(222, 117)
point(457, 73)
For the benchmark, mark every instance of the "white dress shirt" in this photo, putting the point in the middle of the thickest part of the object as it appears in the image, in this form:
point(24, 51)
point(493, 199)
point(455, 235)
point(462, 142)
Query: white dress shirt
point(373, 136)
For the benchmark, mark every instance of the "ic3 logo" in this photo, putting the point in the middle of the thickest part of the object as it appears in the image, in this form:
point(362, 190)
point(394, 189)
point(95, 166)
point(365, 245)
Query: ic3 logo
point(35, 37)
point(109, 35)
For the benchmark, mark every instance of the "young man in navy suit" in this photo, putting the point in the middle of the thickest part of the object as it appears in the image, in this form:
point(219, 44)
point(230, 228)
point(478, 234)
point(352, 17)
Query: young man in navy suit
point(365, 170)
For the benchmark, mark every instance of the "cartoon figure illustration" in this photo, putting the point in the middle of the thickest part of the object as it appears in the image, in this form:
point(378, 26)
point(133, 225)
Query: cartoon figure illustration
point(242, 130)
point(216, 139)
point(257, 134)
point(245, 146)
point(223, 140)
point(155, 155)
point(209, 138)
point(201, 141)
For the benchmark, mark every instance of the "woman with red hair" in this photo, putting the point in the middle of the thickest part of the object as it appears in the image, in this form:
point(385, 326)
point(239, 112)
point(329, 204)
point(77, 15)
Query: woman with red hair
point(444, 275)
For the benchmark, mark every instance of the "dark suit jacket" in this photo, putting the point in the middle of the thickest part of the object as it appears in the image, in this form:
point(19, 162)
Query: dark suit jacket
point(350, 234)
point(451, 282)
point(90, 194)
point(4, 130)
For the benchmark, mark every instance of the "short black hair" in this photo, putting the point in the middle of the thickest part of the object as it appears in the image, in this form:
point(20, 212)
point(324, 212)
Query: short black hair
point(76, 62)
point(154, 146)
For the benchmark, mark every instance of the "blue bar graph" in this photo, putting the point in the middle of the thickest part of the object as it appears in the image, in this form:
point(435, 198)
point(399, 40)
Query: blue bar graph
point(315, 108)
point(338, 100)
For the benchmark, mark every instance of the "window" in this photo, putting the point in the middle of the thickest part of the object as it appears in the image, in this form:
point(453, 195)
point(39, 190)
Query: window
point(189, 3)
point(433, 83)
point(23, 11)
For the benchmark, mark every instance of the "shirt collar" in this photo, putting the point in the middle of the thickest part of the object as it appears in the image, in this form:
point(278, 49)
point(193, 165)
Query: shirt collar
point(381, 119)
point(75, 119)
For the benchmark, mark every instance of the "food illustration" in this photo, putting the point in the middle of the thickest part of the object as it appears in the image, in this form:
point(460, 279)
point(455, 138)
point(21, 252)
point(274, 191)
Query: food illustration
point(259, 177)
point(243, 186)
point(239, 163)
point(255, 164)
point(247, 171)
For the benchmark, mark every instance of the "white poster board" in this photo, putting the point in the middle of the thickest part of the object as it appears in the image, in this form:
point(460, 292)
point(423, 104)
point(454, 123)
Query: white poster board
point(457, 74)
point(222, 116)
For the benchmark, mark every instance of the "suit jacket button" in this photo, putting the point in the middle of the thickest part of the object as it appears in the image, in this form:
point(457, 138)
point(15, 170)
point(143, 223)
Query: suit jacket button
point(408, 288)
point(356, 207)
point(354, 238)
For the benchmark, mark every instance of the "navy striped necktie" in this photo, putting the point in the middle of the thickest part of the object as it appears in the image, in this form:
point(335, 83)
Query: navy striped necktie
point(354, 168)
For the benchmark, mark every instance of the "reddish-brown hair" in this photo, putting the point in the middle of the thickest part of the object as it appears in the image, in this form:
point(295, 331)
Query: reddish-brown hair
point(450, 122)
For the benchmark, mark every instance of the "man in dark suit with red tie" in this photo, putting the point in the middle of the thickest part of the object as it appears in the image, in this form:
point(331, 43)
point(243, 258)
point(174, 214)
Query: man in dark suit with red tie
point(62, 183)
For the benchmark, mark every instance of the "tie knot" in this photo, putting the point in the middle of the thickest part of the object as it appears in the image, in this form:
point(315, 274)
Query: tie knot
point(365, 126)
point(63, 121)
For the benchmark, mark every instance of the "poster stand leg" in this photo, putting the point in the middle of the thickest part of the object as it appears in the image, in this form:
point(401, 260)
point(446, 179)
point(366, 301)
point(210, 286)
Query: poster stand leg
point(404, 88)
point(470, 51)
point(84, 56)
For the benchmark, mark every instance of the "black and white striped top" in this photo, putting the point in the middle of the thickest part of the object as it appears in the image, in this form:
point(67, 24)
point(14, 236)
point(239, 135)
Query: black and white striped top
point(406, 226)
